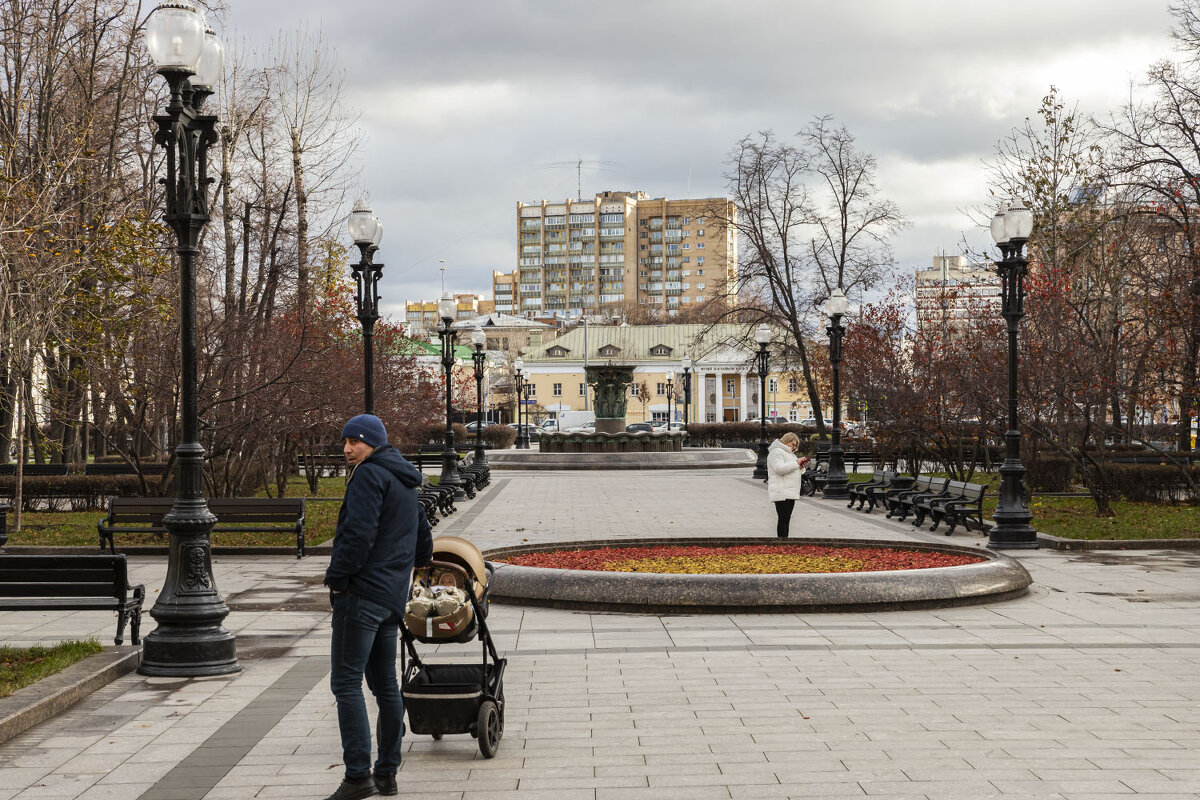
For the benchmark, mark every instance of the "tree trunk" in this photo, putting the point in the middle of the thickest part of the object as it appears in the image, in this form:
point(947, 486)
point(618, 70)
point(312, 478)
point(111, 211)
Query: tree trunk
point(301, 225)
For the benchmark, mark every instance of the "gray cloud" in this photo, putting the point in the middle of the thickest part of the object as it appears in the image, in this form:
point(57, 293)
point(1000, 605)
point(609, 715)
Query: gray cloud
point(467, 104)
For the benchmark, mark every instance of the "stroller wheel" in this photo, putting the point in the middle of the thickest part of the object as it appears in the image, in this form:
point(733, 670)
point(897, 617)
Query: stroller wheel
point(488, 728)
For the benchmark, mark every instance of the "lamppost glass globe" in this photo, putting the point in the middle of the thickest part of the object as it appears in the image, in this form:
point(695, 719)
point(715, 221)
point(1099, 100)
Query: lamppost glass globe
point(446, 308)
point(478, 338)
point(211, 63)
point(175, 35)
point(364, 226)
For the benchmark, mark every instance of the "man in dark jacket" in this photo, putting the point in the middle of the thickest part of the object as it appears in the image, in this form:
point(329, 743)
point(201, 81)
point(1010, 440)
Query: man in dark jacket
point(382, 533)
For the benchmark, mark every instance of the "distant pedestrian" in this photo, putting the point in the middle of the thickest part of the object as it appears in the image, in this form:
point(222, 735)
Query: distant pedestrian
point(381, 534)
point(784, 473)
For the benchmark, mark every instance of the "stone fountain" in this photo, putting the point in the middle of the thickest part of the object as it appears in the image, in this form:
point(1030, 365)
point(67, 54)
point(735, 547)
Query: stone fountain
point(610, 386)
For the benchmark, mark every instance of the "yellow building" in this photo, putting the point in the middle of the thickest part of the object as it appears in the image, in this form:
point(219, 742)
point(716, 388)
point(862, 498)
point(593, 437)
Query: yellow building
point(621, 250)
point(724, 378)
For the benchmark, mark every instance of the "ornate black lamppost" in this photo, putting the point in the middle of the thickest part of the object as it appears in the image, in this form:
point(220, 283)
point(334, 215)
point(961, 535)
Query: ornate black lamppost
point(1012, 530)
point(189, 640)
point(836, 482)
point(479, 338)
point(670, 398)
point(687, 389)
point(522, 442)
point(367, 232)
point(763, 337)
point(450, 476)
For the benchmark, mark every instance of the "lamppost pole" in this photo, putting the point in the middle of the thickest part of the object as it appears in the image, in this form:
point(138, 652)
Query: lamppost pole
point(479, 338)
point(836, 482)
point(670, 398)
point(367, 232)
point(450, 476)
point(687, 390)
point(522, 442)
point(189, 640)
point(1012, 530)
point(763, 336)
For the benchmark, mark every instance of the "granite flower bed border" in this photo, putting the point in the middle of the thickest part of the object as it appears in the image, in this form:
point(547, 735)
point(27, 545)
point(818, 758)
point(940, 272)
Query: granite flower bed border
point(996, 578)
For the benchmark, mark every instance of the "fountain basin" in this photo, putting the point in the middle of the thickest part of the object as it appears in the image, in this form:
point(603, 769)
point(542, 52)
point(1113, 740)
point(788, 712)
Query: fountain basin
point(997, 577)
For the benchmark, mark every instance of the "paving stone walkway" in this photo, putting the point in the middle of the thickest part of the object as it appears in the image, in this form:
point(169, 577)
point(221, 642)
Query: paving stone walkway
point(1085, 689)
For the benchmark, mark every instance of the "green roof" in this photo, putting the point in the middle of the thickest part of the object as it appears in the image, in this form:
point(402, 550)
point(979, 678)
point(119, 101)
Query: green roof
point(638, 342)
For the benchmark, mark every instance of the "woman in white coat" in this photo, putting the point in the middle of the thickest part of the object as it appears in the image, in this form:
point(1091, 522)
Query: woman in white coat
point(784, 472)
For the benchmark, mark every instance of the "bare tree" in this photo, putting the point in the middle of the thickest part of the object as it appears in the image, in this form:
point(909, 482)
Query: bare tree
point(810, 218)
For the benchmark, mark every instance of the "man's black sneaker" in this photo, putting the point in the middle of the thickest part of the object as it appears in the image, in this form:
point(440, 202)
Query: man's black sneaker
point(354, 790)
point(385, 784)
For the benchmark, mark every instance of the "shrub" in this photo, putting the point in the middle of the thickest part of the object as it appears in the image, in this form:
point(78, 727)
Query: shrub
point(1049, 474)
point(500, 437)
point(77, 492)
point(1150, 483)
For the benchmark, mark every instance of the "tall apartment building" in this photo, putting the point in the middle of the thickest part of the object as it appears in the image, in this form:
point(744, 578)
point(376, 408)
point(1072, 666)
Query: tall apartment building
point(620, 250)
point(953, 292)
point(504, 292)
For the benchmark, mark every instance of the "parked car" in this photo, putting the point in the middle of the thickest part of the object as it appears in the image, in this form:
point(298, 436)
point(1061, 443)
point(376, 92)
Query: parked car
point(548, 425)
point(530, 430)
point(470, 426)
point(635, 427)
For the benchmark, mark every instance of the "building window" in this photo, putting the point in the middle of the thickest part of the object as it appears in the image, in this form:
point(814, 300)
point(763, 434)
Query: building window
point(700, 260)
point(532, 389)
point(710, 416)
point(582, 389)
point(793, 415)
point(793, 385)
point(634, 390)
point(699, 245)
point(558, 390)
point(731, 386)
point(700, 232)
point(662, 388)
point(772, 384)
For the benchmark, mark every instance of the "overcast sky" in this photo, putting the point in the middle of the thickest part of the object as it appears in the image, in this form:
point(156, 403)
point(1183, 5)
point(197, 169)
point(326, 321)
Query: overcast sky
point(467, 104)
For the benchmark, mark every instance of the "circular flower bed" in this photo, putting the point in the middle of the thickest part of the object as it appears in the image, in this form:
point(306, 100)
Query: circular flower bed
point(785, 559)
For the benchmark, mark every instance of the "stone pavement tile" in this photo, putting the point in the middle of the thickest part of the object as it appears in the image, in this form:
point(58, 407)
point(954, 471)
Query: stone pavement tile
point(662, 793)
point(527, 794)
point(124, 791)
point(1110, 786)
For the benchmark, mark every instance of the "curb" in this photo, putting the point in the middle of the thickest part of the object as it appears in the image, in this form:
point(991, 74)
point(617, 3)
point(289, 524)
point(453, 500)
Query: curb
point(1059, 543)
point(27, 707)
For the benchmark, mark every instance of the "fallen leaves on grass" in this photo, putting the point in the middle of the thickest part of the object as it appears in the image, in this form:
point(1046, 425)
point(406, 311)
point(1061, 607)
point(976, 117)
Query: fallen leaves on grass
point(742, 560)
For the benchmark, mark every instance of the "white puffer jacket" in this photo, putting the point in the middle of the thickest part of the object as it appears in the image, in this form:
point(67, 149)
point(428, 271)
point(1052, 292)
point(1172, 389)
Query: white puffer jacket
point(783, 473)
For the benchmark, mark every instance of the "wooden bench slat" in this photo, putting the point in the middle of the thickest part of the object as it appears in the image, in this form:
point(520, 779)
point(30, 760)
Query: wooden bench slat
point(58, 588)
point(234, 515)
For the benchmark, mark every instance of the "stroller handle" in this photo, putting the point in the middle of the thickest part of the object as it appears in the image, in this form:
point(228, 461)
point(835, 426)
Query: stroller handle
point(445, 566)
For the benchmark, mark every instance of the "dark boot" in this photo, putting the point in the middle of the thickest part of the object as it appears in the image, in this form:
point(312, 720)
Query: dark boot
point(354, 790)
point(385, 784)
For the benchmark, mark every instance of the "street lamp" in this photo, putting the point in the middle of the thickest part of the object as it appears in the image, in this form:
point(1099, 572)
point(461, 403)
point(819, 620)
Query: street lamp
point(1010, 230)
point(189, 640)
point(367, 232)
point(450, 476)
point(670, 397)
point(687, 389)
point(836, 483)
point(479, 338)
point(519, 369)
point(763, 337)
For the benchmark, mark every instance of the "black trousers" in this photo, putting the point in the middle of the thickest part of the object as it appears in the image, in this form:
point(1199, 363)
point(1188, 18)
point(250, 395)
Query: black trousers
point(784, 509)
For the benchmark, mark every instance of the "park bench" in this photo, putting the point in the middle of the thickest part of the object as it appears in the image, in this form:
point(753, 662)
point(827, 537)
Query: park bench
point(73, 583)
point(931, 505)
point(815, 475)
point(876, 494)
point(906, 503)
point(121, 468)
point(966, 508)
point(323, 464)
point(858, 489)
point(234, 515)
point(893, 498)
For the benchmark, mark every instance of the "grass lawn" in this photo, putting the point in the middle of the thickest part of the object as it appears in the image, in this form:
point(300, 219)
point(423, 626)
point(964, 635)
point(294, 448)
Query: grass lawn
point(78, 528)
point(22, 666)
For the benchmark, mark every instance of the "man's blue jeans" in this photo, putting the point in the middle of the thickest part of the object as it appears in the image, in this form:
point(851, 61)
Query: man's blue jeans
point(364, 644)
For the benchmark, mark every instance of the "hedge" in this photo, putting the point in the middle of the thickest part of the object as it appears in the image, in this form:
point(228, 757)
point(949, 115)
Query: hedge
point(1049, 474)
point(1149, 483)
point(75, 492)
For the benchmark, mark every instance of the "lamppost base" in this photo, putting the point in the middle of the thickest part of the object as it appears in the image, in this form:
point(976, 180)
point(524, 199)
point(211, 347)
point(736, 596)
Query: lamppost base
point(1012, 536)
point(185, 652)
point(835, 491)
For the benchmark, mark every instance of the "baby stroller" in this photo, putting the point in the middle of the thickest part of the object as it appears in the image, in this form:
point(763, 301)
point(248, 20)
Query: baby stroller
point(453, 698)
